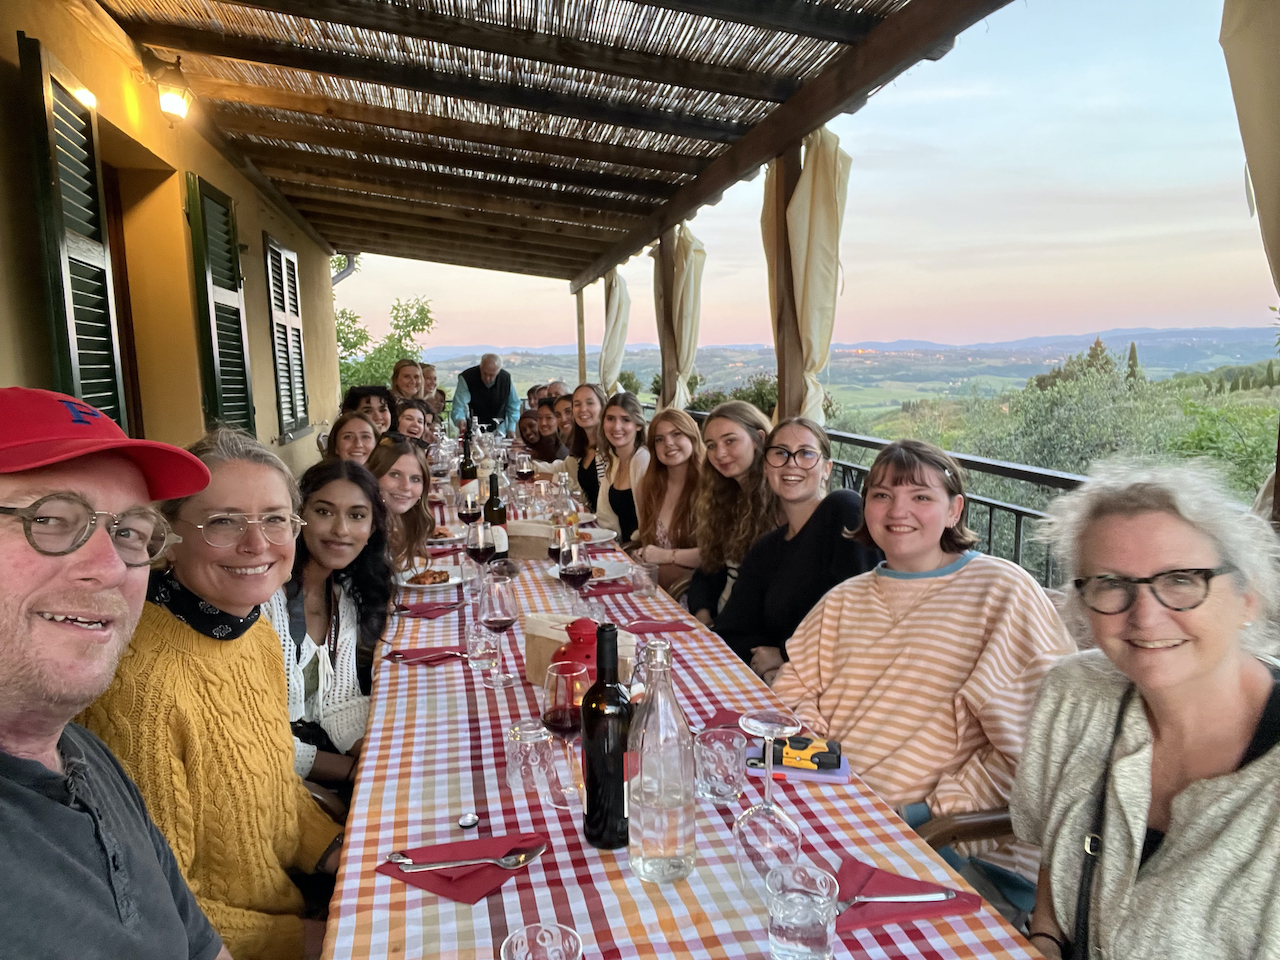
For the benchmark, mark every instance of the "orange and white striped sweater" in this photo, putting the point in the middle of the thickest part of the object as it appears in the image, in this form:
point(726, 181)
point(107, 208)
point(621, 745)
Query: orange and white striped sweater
point(928, 681)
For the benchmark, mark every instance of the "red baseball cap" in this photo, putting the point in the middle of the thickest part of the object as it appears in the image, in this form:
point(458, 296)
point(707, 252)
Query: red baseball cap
point(39, 428)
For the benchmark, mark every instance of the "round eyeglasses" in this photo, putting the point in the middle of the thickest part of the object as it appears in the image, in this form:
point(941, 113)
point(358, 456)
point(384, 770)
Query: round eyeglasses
point(1175, 589)
point(805, 457)
point(227, 529)
point(62, 523)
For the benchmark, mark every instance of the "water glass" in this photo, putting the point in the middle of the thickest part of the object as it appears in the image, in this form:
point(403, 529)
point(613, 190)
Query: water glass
point(644, 578)
point(482, 648)
point(531, 763)
point(542, 941)
point(802, 912)
point(720, 758)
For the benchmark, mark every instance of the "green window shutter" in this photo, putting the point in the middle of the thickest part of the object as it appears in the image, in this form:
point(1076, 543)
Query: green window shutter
point(73, 237)
point(224, 341)
point(286, 336)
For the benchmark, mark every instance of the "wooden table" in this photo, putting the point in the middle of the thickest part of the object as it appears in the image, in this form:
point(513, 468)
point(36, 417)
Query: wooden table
point(434, 750)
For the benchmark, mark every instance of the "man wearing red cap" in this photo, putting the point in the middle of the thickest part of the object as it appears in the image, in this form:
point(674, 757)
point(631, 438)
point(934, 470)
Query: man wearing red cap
point(83, 865)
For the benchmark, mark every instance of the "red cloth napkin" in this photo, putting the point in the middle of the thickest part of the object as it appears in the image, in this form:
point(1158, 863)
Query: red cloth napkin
point(463, 884)
point(608, 588)
point(428, 609)
point(437, 552)
point(658, 626)
point(858, 878)
point(426, 652)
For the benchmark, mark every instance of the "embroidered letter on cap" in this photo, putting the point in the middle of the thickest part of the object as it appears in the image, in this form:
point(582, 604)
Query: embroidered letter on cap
point(79, 411)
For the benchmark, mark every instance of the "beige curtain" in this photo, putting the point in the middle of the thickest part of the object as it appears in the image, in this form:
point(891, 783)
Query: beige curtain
point(691, 257)
point(814, 216)
point(1251, 42)
point(617, 314)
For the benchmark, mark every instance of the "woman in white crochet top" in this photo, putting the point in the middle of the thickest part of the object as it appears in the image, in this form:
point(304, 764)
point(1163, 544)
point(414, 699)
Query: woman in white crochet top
point(331, 614)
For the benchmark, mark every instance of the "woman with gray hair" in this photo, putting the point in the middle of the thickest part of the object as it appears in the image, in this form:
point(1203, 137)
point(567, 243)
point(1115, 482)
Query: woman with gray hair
point(198, 710)
point(1149, 776)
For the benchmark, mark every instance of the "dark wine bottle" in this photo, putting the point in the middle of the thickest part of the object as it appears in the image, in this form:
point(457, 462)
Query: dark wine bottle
point(606, 722)
point(495, 514)
point(467, 471)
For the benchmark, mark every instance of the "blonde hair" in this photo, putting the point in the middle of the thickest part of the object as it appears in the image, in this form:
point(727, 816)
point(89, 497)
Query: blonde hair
point(731, 515)
point(653, 489)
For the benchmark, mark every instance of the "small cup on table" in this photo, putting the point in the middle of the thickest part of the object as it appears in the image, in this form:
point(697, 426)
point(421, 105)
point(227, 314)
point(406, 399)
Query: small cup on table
point(531, 763)
point(644, 578)
point(720, 759)
point(802, 912)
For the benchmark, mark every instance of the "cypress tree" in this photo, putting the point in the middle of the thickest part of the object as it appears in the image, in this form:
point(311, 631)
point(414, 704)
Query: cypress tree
point(1271, 373)
point(1134, 373)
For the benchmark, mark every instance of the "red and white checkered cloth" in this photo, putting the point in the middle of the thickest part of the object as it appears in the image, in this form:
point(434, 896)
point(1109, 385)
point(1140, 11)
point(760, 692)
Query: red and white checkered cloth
point(434, 751)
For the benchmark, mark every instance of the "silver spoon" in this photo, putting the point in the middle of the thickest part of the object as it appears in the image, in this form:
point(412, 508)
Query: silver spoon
point(512, 861)
point(929, 897)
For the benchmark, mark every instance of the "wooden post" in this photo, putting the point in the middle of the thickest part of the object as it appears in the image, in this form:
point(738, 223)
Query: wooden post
point(664, 266)
point(786, 330)
point(582, 340)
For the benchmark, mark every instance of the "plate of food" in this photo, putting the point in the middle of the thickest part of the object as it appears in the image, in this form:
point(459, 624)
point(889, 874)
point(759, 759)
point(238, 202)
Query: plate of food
point(601, 570)
point(430, 579)
point(596, 535)
point(585, 517)
point(443, 535)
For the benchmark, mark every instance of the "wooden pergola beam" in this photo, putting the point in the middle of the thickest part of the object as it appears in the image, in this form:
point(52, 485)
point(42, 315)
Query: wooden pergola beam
point(897, 43)
point(805, 19)
point(413, 21)
point(416, 77)
point(470, 200)
point(328, 223)
point(254, 95)
point(289, 158)
point(240, 125)
point(535, 268)
point(477, 255)
point(328, 211)
point(300, 194)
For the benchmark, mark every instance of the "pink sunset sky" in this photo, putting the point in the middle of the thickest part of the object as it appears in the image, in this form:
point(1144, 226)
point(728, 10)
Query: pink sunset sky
point(1047, 176)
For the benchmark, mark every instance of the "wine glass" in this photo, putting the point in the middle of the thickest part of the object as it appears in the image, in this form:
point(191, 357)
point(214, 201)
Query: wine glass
point(498, 613)
point(470, 509)
point(565, 683)
point(765, 836)
point(480, 547)
point(524, 468)
point(575, 573)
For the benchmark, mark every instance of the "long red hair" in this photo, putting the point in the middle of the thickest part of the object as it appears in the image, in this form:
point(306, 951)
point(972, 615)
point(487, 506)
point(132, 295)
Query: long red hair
point(653, 488)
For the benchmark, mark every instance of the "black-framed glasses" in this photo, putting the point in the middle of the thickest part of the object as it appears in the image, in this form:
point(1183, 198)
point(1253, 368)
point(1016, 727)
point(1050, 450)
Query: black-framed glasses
point(806, 457)
point(227, 529)
point(1176, 589)
point(62, 523)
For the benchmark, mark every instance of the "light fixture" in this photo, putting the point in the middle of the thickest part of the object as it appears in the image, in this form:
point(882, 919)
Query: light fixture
point(175, 93)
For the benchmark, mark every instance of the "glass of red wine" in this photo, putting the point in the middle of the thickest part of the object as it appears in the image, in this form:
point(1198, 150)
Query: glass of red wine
point(524, 468)
point(575, 573)
point(480, 547)
point(498, 612)
point(565, 683)
point(470, 509)
point(560, 535)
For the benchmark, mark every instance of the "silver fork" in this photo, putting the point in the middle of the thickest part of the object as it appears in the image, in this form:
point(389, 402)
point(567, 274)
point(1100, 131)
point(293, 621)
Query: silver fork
point(930, 897)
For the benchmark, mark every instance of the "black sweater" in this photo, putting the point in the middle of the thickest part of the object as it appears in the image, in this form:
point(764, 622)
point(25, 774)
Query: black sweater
point(781, 580)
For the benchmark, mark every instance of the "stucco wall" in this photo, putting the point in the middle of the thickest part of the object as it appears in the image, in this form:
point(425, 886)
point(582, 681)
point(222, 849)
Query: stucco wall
point(153, 158)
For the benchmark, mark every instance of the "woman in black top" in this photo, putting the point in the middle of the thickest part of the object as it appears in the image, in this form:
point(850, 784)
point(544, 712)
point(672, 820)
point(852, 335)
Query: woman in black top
point(789, 569)
point(583, 464)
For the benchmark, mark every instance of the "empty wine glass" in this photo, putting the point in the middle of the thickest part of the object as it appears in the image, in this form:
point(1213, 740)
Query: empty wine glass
point(563, 686)
point(498, 613)
point(765, 836)
point(575, 573)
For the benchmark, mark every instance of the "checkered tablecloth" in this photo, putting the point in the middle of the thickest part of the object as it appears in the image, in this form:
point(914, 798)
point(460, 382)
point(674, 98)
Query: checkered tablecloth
point(434, 750)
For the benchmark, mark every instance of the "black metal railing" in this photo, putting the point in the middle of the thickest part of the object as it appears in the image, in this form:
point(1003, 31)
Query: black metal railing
point(1005, 499)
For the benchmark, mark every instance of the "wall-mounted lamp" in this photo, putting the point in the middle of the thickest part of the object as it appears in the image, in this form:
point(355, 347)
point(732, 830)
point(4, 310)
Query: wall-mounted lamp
point(175, 93)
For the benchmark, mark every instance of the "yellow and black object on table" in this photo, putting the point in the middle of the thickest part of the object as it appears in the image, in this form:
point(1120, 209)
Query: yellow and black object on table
point(803, 753)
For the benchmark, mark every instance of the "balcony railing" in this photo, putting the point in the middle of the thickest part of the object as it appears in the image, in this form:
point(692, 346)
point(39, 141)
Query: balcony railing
point(1004, 498)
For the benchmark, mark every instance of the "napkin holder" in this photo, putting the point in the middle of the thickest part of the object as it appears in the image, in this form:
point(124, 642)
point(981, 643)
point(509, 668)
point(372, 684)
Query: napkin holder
point(528, 539)
point(544, 634)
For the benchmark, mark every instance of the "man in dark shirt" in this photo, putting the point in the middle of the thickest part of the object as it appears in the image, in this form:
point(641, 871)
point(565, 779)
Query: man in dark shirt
point(485, 392)
point(83, 870)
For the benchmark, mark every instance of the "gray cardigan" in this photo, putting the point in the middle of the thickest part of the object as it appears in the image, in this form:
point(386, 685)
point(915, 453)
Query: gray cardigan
point(1212, 889)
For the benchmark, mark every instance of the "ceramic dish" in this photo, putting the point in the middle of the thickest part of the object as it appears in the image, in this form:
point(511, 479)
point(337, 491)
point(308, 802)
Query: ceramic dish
point(613, 570)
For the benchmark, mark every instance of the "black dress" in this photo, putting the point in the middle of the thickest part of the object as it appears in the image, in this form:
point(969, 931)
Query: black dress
point(623, 503)
point(589, 482)
point(781, 580)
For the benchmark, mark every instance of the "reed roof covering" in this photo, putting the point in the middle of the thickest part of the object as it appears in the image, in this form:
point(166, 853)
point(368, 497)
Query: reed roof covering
point(549, 137)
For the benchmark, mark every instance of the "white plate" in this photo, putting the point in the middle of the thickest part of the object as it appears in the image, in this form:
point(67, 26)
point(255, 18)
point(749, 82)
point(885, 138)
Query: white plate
point(455, 578)
point(613, 570)
point(586, 518)
point(446, 541)
point(597, 535)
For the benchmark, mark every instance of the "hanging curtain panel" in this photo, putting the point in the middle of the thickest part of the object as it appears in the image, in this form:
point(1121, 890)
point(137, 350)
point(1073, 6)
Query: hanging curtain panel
point(1251, 42)
point(814, 216)
point(617, 314)
point(686, 309)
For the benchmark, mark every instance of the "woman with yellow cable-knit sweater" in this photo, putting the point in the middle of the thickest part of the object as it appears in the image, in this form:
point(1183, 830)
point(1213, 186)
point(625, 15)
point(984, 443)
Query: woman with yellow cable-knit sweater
point(198, 715)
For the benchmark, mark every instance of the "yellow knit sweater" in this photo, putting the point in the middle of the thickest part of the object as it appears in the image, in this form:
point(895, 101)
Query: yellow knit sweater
point(202, 727)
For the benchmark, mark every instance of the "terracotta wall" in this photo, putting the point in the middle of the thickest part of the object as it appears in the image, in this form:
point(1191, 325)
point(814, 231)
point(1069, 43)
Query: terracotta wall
point(153, 158)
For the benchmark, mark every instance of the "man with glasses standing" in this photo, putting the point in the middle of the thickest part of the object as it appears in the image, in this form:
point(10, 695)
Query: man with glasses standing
point(82, 861)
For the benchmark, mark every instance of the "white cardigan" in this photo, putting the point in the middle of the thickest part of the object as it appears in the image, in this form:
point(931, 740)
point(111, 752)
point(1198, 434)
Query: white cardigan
point(338, 706)
point(604, 512)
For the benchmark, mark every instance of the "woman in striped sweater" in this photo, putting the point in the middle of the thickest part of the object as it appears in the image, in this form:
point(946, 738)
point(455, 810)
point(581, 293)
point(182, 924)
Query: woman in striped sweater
point(926, 668)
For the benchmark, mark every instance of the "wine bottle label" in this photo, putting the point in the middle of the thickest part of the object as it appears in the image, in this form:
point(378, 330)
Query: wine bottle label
point(500, 541)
